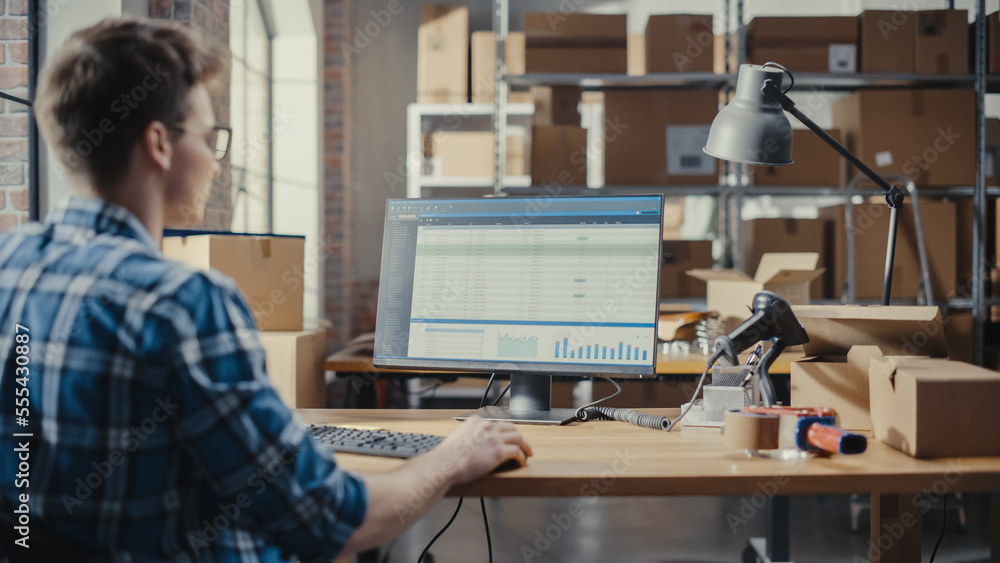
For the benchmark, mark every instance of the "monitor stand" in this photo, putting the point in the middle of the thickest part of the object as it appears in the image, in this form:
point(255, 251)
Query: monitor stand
point(530, 403)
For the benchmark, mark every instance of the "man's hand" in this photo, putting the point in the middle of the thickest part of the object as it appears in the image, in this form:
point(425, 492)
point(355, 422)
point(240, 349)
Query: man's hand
point(478, 447)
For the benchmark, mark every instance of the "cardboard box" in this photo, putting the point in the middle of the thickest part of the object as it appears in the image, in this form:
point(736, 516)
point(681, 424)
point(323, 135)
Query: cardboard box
point(556, 105)
point(597, 60)
point(295, 366)
point(470, 154)
point(815, 163)
point(766, 236)
point(719, 63)
point(993, 37)
point(559, 154)
point(677, 258)
point(560, 27)
point(886, 41)
point(935, 408)
point(656, 137)
point(673, 219)
point(575, 42)
point(927, 135)
point(941, 44)
point(443, 54)
point(842, 342)
point(804, 44)
point(267, 269)
point(636, 54)
point(871, 231)
point(788, 274)
point(679, 43)
point(483, 55)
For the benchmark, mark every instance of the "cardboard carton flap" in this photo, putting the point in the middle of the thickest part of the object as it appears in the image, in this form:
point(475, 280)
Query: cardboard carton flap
point(795, 276)
point(896, 330)
point(934, 370)
point(772, 263)
point(710, 274)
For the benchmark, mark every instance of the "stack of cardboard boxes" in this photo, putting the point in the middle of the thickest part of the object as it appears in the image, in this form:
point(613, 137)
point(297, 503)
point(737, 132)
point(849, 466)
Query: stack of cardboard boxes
point(268, 271)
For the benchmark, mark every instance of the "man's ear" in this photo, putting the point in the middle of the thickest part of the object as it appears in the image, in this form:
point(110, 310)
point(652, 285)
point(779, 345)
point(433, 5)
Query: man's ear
point(156, 145)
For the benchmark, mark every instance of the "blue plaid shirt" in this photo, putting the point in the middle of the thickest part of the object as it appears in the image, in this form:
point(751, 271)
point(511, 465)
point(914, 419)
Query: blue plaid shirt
point(155, 434)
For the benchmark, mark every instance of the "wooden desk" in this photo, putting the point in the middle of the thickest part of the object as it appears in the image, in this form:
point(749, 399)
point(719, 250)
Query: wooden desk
point(691, 364)
point(616, 459)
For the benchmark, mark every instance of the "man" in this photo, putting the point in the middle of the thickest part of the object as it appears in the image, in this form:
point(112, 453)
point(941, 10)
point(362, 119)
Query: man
point(151, 431)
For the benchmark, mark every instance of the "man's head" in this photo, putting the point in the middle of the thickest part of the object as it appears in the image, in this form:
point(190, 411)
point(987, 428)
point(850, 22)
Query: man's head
point(127, 95)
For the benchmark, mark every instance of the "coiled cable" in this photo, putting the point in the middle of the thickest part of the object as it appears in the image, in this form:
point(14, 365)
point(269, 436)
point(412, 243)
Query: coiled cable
point(631, 416)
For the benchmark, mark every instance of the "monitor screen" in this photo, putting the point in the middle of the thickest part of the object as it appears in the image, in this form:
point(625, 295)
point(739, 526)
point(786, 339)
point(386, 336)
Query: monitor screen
point(554, 285)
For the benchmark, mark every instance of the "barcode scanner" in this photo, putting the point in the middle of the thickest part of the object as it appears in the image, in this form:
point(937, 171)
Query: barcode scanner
point(772, 320)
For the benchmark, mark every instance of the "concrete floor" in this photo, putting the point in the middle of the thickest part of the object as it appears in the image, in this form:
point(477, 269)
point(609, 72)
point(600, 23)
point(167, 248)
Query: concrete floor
point(658, 530)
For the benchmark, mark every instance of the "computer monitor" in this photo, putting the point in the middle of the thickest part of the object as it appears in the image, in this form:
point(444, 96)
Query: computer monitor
point(531, 287)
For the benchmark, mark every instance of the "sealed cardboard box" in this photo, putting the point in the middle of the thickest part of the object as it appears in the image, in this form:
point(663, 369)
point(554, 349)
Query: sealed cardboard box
point(559, 154)
point(295, 366)
point(575, 42)
point(935, 408)
point(677, 258)
point(942, 42)
point(267, 269)
point(766, 236)
point(804, 44)
point(788, 274)
point(886, 41)
point(469, 154)
point(443, 54)
point(656, 137)
point(556, 105)
point(871, 231)
point(680, 43)
point(484, 50)
point(815, 163)
point(927, 135)
point(842, 342)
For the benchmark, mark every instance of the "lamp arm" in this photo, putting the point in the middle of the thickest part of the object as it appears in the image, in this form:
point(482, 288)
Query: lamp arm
point(893, 195)
point(21, 101)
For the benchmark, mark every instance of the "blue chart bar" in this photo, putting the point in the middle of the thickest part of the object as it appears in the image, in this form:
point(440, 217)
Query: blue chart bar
point(572, 353)
point(565, 346)
point(612, 353)
point(621, 350)
point(604, 353)
point(557, 349)
point(644, 355)
point(580, 353)
point(588, 352)
point(628, 352)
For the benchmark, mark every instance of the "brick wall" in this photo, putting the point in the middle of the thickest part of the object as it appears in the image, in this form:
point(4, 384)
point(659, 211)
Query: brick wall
point(212, 18)
point(13, 116)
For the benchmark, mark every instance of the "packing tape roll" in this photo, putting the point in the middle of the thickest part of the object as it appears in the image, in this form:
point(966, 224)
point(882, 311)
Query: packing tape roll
point(751, 431)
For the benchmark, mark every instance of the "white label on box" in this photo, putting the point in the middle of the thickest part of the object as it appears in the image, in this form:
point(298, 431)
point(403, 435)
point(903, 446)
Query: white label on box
point(843, 57)
point(883, 158)
point(684, 154)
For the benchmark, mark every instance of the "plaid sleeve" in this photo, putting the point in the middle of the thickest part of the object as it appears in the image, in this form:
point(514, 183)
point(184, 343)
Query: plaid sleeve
point(252, 449)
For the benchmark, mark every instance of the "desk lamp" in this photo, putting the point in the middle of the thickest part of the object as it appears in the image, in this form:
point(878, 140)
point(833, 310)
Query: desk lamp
point(753, 129)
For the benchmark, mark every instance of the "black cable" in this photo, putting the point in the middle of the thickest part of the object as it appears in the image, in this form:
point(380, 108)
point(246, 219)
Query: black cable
point(443, 530)
point(486, 393)
point(944, 520)
point(486, 522)
point(502, 393)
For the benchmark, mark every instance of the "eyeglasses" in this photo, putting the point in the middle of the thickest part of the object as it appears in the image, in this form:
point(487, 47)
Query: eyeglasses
point(218, 139)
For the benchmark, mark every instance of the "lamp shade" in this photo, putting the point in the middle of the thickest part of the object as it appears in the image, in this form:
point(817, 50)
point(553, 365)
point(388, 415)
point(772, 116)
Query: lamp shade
point(752, 128)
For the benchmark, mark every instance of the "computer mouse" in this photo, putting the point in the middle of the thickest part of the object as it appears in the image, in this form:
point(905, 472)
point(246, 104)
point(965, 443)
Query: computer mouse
point(508, 465)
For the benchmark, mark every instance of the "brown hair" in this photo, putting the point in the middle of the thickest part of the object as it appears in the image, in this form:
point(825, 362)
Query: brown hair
point(107, 83)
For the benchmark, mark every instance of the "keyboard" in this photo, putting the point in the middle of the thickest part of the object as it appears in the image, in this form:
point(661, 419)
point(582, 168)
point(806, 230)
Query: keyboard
point(373, 442)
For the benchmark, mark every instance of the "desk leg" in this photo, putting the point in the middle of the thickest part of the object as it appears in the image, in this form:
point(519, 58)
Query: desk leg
point(995, 527)
point(895, 530)
point(778, 524)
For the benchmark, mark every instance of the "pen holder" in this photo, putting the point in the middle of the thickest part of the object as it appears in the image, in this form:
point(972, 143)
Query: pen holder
point(737, 376)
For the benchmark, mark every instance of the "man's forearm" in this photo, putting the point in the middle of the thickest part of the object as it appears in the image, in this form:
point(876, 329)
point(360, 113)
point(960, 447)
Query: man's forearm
point(397, 499)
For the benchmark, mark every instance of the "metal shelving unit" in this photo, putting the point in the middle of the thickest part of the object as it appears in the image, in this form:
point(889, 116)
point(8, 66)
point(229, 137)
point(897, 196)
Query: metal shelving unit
point(734, 188)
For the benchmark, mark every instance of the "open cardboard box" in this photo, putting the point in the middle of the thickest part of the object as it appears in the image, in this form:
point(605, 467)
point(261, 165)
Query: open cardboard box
point(843, 339)
point(788, 274)
point(934, 408)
